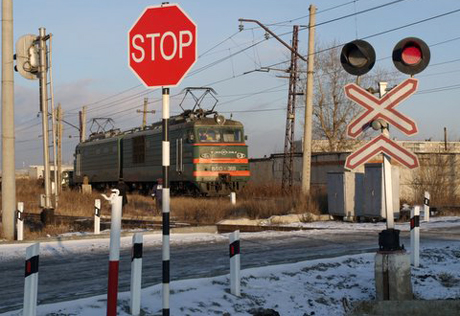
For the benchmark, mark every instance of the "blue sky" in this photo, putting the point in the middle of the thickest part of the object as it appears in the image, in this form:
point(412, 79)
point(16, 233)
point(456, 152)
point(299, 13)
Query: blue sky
point(90, 62)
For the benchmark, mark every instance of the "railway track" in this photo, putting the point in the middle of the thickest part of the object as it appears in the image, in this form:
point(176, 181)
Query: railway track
point(34, 222)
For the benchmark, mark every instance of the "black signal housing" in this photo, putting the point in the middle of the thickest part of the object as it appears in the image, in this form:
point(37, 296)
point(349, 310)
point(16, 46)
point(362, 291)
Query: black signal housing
point(411, 55)
point(357, 57)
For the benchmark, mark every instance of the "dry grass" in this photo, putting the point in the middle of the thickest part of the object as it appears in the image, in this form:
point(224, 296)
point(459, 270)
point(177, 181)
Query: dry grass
point(255, 202)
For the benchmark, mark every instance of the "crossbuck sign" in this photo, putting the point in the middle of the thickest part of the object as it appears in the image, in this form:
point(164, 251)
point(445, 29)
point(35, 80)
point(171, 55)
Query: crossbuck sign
point(383, 108)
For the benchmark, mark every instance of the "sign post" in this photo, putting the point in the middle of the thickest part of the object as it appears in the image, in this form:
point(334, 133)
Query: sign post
point(410, 56)
point(162, 49)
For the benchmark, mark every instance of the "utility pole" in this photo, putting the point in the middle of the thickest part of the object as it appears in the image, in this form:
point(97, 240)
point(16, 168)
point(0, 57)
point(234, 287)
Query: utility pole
point(59, 131)
point(288, 159)
point(307, 136)
point(42, 38)
point(296, 53)
point(144, 113)
point(8, 150)
point(82, 115)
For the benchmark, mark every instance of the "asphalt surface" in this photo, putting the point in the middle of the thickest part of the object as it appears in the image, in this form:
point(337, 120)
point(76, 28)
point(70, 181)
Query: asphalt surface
point(64, 277)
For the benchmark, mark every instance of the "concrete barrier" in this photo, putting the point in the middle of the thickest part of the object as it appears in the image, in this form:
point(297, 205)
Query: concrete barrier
point(413, 308)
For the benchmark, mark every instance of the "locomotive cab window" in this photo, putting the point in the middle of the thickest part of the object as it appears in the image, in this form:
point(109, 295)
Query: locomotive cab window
point(232, 135)
point(227, 135)
point(209, 134)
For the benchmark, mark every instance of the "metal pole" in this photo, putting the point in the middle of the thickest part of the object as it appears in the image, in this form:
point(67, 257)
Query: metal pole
point(59, 147)
point(8, 153)
point(114, 257)
point(165, 208)
point(144, 115)
point(44, 110)
point(387, 183)
point(307, 135)
point(53, 122)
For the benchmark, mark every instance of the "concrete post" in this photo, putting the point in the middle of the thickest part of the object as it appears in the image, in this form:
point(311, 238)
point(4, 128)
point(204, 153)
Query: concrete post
point(393, 276)
point(307, 135)
point(8, 151)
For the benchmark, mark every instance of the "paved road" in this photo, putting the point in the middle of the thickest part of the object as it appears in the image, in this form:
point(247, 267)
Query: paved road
point(63, 277)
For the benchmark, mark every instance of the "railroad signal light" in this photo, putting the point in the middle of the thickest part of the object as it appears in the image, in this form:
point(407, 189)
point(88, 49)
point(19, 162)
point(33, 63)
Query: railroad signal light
point(357, 57)
point(411, 55)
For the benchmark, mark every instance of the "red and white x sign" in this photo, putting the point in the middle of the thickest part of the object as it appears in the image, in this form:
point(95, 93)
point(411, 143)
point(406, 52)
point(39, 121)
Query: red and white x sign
point(381, 108)
point(381, 144)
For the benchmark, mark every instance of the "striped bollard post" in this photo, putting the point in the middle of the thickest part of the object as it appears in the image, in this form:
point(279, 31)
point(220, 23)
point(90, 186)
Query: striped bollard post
point(426, 206)
point(20, 221)
point(233, 198)
point(115, 229)
point(165, 252)
point(97, 216)
point(136, 274)
point(415, 235)
point(31, 280)
point(234, 239)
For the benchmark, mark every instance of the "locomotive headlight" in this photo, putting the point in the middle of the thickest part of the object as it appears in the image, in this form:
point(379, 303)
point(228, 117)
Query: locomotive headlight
point(220, 119)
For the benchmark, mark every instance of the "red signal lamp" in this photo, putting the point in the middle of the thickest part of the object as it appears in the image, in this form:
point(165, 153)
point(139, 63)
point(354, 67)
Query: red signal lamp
point(411, 55)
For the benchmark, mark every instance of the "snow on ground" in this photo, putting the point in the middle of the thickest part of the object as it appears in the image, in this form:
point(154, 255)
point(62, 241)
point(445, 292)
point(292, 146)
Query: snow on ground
point(435, 222)
point(317, 287)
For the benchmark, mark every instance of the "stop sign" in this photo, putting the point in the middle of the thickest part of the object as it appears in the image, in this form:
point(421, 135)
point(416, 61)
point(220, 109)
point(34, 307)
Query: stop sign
point(162, 45)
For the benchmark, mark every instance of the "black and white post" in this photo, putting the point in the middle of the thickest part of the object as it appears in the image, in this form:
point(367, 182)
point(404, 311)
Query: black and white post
point(31, 280)
point(136, 274)
point(426, 206)
point(234, 239)
point(415, 235)
point(97, 216)
point(20, 221)
point(166, 201)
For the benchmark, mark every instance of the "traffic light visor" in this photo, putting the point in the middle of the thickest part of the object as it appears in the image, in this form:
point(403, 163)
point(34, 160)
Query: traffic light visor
point(357, 57)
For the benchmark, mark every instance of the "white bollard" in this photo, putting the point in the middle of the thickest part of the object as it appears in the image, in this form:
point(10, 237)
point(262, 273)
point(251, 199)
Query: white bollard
point(20, 221)
point(136, 274)
point(31, 280)
point(426, 206)
point(233, 198)
point(415, 235)
point(115, 231)
point(234, 239)
point(97, 216)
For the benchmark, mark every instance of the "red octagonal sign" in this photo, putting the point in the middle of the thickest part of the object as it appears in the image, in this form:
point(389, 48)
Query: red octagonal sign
point(162, 45)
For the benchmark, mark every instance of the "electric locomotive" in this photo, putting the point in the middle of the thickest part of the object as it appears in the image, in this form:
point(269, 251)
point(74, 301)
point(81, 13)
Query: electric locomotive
point(208, 156)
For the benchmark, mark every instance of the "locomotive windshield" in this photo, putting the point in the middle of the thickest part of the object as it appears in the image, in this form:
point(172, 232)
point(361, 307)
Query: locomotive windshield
point(216, 134)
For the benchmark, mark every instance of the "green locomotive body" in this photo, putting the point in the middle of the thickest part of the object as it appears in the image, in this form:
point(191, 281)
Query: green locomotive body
point(208, 156)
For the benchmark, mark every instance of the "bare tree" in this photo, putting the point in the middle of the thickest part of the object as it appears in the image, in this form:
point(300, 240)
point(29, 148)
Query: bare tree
point(332, 110)
point(437, 175)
